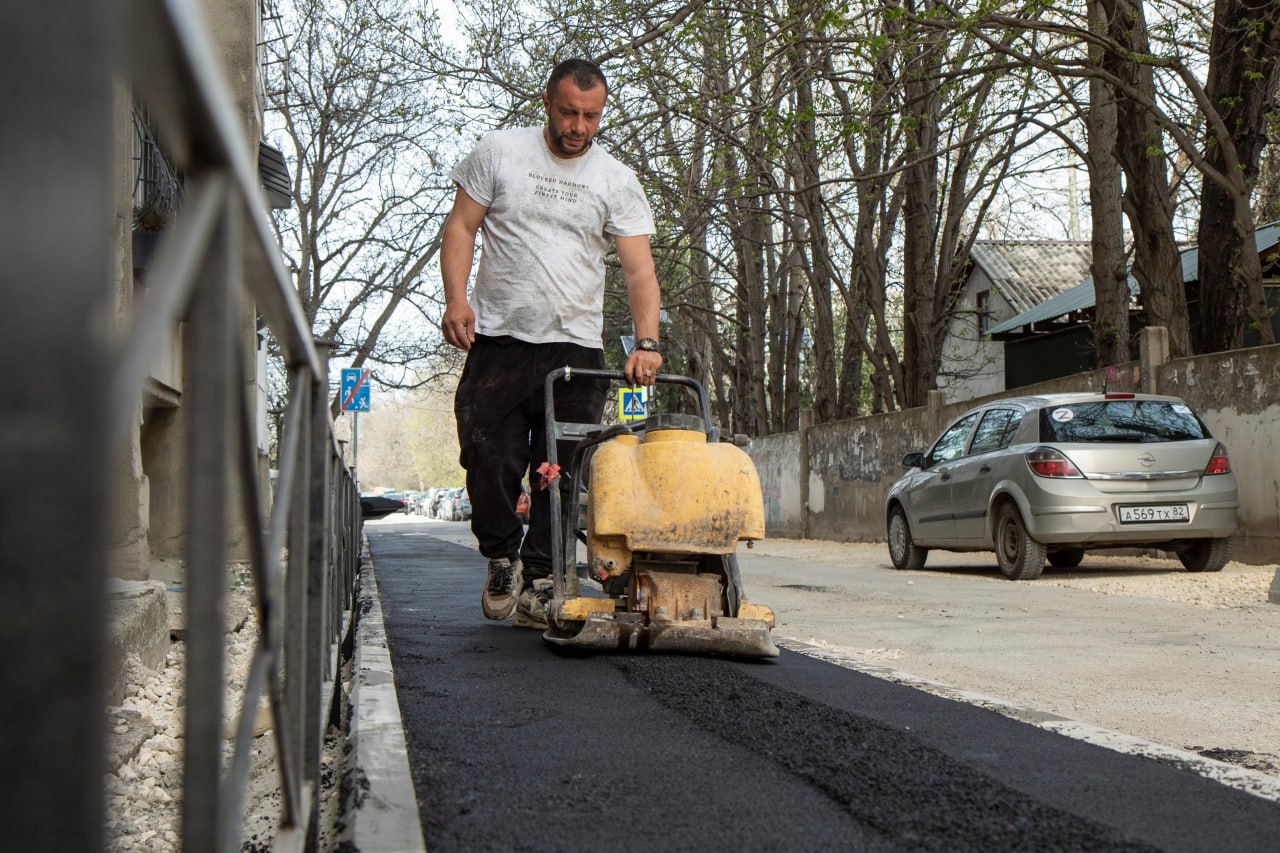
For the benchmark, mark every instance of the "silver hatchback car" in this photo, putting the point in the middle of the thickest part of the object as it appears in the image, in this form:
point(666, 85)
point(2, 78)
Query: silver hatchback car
point(1053, 476)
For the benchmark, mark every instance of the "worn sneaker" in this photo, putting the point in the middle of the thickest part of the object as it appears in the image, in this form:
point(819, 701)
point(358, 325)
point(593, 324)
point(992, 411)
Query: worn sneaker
point(499, 597)
point(533, 604)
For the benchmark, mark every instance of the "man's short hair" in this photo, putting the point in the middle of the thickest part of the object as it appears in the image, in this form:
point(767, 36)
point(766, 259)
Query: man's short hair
point(586, 75)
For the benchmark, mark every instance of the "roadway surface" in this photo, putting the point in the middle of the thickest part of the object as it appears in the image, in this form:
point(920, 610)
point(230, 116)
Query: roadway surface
point(515, 746)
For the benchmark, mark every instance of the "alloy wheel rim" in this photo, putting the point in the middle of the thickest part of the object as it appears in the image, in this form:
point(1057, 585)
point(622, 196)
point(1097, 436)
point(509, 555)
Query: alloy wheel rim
point(897, 536)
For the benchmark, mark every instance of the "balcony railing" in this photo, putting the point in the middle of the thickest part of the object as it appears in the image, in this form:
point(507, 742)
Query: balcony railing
point(73, 403)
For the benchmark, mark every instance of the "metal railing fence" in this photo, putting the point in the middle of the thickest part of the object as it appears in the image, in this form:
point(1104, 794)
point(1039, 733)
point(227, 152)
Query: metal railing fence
point(74, 406)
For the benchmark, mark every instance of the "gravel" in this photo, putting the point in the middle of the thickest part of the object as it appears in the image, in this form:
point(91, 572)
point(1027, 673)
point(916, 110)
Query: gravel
point(143, 784)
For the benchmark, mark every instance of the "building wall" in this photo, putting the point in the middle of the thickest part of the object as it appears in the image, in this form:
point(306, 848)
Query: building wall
point(131, 498)
point(973, 365)
point(851, 464)
point(151, 482)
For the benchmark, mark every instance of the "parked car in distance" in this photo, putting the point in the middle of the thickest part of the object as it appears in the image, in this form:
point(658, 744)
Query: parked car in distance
point(461, 505)
point(436, 508)
point(1056, 475)
point(379, 506)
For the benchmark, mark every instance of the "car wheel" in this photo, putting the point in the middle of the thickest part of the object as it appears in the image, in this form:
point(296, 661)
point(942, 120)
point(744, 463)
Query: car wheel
point(1067, 558)
point(1021, 558)
point(903, 551)
point(1206, 555)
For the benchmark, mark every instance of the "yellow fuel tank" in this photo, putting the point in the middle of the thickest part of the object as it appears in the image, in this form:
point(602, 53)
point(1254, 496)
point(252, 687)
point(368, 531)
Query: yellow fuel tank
point(670, 493)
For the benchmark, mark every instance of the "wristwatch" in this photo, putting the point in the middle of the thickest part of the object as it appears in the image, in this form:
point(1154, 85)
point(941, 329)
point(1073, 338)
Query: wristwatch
point(647, 344)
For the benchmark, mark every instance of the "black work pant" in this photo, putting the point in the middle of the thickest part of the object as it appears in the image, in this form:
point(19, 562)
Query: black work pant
point(500, 408)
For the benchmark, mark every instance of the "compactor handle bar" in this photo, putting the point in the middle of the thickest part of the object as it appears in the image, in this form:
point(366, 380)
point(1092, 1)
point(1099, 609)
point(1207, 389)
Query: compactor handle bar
point(561, 431)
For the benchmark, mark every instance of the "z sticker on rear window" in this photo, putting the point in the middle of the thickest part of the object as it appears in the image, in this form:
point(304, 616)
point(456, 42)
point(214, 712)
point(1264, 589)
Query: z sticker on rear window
point(1181, 409)
point(1063, 415)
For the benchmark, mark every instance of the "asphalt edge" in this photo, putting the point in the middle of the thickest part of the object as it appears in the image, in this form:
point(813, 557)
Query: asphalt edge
point(1250, 781)
point(379, 808)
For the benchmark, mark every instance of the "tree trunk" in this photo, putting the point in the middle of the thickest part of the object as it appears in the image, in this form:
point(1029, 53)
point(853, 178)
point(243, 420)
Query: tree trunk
point(1110, 276)
point(1243, 51)
point(920, 227)
point(809, 178)
point(1140, 150)
point(879, 203)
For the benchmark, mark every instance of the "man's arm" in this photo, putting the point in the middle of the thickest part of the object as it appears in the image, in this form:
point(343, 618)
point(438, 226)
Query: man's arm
point(645, 298)
point(457, 249)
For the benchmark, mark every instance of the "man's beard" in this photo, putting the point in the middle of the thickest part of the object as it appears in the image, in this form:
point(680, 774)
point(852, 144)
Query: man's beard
point(558, 141)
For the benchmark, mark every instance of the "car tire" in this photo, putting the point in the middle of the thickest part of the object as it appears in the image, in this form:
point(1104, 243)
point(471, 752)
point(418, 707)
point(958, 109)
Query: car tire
point(1067, 558)
point(1021, 558)
point(903, 550)
point(1206, 555)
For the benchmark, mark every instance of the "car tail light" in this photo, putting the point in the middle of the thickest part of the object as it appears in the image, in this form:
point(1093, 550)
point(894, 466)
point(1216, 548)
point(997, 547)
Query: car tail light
point(1220, 463)
point(1047, 462)
point(1118, 395)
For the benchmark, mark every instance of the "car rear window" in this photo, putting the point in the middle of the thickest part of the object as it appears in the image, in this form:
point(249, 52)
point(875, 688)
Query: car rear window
point(1121, 420)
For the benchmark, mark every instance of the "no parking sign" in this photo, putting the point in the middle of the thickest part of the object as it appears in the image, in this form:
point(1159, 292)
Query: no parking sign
point(355, 390)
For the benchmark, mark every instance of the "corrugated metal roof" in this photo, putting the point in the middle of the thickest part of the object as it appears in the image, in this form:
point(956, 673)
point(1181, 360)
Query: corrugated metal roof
point(1082, 296)
point(1076, 299)
point(1028, 273)
point(1265, 237)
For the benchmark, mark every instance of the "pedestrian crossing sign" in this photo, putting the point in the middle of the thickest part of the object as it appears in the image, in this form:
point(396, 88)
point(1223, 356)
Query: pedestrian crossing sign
point(632, 405)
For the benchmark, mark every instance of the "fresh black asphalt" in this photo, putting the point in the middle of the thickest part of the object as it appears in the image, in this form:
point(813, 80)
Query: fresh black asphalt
point(514, 746)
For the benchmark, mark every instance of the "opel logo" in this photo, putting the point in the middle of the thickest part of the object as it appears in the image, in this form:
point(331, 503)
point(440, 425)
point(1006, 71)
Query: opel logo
point(1146, 459)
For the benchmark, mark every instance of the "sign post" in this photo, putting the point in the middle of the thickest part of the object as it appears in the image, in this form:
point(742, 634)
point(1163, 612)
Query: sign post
point(355, 399)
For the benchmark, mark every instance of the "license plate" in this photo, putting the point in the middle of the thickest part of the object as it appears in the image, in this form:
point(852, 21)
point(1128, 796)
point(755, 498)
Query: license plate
point(1154, 514)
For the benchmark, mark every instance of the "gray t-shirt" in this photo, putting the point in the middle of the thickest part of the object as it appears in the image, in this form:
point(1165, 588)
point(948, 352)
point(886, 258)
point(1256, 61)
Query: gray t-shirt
point(545, 236)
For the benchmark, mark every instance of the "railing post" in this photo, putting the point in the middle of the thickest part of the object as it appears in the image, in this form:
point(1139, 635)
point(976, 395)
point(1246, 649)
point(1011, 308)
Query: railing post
point(55, 240)
point(318, 509)
point(301, 387)
point(211, 397)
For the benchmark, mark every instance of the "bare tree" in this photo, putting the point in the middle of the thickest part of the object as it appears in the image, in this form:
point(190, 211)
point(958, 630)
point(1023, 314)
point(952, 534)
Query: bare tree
point(1160, 96)
point(359, 131)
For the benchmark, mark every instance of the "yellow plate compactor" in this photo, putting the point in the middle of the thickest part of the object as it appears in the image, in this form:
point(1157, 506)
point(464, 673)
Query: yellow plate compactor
point(660, 509)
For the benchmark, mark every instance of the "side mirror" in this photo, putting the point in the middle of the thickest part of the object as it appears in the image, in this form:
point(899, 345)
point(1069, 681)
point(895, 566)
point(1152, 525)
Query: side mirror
point(913, 460)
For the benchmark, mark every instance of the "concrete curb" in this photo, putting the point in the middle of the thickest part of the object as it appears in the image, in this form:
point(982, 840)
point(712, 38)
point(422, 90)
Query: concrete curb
point(379, 807)
point(1250, 781)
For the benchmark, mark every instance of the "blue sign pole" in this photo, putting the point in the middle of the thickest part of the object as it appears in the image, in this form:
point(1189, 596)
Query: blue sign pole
point(355, 399)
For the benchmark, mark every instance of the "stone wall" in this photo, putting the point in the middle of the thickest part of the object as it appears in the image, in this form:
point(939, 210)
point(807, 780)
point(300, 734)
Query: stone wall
point(1238, 395)
point(837, 489)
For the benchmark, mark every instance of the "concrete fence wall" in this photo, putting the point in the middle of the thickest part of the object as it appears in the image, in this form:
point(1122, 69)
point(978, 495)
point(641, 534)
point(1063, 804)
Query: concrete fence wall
point(830, 481)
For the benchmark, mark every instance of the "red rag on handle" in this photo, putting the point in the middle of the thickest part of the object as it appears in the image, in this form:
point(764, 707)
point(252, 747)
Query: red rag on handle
point(549, 473)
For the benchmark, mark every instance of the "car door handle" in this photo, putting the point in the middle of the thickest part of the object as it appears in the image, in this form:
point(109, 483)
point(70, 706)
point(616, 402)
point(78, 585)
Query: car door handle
point(946, 475)
point(985, 469)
